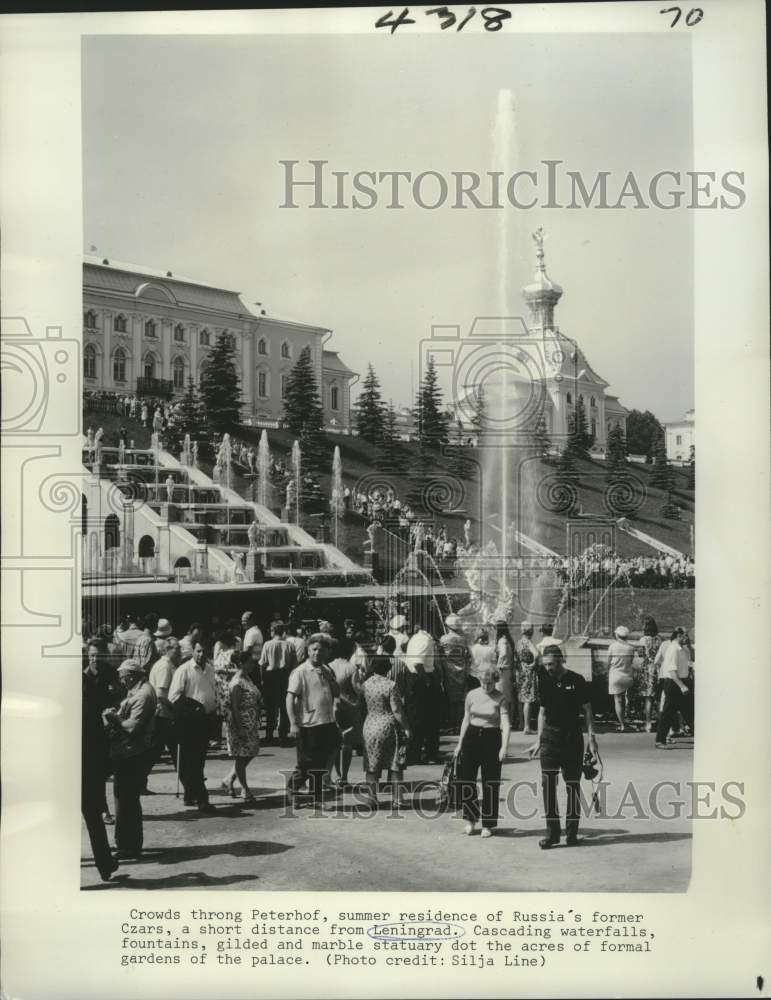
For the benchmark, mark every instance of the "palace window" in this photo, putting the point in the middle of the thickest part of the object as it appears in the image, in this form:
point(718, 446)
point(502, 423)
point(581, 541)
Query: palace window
point(119, 365)
point(334, 397)
point(592, 401)
point(204, 338)
point(570, 398)
point(679, 439)
point(179, 333)
point(262, 385)
point(178, 373)
point(89, 361)
point(151, 329)
point(119, 324)
point(262, 346)
point(89, 320)
point(285, 350)
point(594, 428)
point(149, 366)
point(283, 386)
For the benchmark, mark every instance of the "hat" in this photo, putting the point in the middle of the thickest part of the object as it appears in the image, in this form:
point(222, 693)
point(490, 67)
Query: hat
point(451, 621)
point(246, 616)
point(526, 625)
point(622, 632)
point(398, 622)
point(164, 628)
point(130, 667)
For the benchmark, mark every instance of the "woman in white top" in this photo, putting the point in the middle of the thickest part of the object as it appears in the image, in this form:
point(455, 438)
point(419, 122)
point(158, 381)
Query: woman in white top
point(482, 744)
point(483, 657)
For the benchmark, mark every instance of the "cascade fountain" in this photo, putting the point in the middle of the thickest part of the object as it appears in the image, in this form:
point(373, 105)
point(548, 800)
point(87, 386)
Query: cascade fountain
point(297, 471)
point(263, 470)
point(336, 503)
point(185, 457)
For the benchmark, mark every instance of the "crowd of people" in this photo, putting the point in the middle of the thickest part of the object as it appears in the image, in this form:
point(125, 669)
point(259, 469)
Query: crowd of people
point(387, 697)
point(596, 569)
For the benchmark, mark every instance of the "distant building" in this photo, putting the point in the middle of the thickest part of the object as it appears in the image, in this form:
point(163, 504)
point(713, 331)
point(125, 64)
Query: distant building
point(681, 437)
point(146, 331)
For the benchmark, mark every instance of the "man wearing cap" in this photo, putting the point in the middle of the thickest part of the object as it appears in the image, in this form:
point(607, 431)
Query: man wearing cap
point(456, 662)
point(398, 629)
point(161, 676)
point(547, 638)
point(563, 696)
point(252, 633)
point(130, 729)
point(193, 695)
point(620, 673)
point(527, 654)
point(163, 632)
point(310, 705)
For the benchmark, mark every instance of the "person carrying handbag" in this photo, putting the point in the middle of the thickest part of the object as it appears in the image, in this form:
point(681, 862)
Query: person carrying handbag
point(482, 746)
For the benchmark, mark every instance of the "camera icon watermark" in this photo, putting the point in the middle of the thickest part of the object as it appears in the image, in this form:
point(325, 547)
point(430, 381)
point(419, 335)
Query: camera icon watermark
point(501, 377)
point(40, 381)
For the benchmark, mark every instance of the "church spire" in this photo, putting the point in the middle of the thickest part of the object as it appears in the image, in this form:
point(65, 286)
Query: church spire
point(543, 294)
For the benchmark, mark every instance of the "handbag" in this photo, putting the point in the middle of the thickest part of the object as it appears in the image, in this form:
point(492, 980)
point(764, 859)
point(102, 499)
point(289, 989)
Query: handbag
point(449, 796)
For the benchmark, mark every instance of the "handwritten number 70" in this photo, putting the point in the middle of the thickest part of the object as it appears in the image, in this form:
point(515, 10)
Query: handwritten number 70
point(692, 18)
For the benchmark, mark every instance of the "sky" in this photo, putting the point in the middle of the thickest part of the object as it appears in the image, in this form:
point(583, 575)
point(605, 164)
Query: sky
point(183, 138)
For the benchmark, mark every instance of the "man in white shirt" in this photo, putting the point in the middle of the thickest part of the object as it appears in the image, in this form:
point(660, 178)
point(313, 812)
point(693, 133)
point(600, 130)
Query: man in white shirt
point(674, 659)
point(277, 661)
point(192, 693)
point(398, 629)
point(252, 634)
point(161, 676)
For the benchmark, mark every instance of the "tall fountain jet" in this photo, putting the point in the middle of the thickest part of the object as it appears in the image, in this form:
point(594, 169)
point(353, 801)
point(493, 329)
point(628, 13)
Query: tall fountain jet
point(297, 471)
point(263, 470)
point(337, 489)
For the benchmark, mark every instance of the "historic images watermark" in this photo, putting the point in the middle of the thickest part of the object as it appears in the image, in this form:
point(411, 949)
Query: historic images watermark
point(315, 184)
point(666, 800)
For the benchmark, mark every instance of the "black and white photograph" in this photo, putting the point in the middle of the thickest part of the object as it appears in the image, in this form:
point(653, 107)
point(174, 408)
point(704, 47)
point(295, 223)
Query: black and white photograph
point(389, 512)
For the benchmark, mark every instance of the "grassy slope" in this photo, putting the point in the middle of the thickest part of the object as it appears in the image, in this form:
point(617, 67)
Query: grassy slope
point(359, 461)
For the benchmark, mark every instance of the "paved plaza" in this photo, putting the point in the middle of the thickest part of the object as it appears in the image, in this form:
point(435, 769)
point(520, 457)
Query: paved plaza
point(264, 849)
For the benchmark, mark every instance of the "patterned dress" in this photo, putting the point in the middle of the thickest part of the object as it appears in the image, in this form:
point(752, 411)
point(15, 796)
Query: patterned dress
point(649, 681)
point(243, 726)
point(383, 745)
point(526, 654)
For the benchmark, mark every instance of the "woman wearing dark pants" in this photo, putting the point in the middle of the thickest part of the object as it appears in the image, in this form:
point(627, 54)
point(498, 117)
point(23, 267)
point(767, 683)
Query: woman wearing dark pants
point(482, 745)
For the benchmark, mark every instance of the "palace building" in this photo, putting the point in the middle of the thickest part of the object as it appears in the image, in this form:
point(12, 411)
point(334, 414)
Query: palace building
point(147, 331)
point(542, 365)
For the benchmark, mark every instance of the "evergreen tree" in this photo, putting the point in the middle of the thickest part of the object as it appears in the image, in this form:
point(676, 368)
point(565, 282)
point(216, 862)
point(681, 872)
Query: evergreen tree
point(303, 413)
point(189, 418)
point(389, 458)
point(616, 452)
point(430, 418)
point(579, 438)
point(539, 437)
point(642, 432)
point(369, 409)
point(564, 499)
point(662, 475)
point(479, 406)
point(220, 387)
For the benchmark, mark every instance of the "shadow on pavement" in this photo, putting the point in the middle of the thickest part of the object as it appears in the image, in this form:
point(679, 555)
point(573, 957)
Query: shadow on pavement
point(185, 880)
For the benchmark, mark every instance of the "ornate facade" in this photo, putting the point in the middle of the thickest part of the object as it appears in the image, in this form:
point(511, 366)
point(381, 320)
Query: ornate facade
point(146, 332)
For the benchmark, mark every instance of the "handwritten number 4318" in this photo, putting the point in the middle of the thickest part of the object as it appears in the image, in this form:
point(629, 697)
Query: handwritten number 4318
point(493, 18)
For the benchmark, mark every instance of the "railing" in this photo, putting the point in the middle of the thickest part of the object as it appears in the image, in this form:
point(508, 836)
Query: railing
point(155, 387)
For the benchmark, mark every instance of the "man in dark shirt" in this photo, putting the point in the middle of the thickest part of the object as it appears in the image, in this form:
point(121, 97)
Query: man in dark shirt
point(564, 697)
